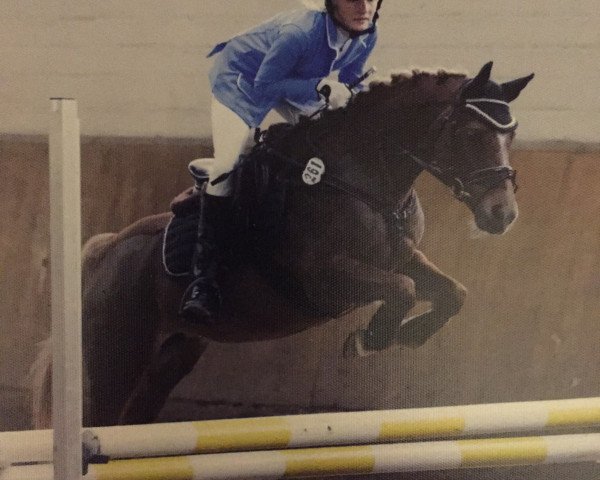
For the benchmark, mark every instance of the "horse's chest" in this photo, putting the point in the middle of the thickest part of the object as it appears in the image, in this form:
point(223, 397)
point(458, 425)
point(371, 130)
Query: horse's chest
point(332, 225)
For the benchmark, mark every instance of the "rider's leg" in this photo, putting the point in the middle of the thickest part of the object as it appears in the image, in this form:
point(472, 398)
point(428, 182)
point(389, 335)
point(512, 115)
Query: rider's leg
point(231, 138)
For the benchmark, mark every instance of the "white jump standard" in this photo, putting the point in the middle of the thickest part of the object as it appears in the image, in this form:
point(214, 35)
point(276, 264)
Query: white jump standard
point(65, 259)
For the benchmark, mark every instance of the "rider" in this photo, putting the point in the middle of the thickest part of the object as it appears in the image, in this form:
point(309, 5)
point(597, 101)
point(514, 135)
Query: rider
point(283, 65)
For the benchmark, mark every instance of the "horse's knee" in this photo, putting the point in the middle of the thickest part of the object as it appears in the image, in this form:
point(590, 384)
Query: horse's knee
point(453, 299)
point(404, 293)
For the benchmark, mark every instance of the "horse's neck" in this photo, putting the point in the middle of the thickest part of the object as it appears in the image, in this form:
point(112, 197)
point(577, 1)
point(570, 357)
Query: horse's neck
point(366, 151)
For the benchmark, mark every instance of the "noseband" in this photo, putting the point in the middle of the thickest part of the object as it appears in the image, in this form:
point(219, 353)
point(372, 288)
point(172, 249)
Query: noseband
point(490, 177)
point(460, 185)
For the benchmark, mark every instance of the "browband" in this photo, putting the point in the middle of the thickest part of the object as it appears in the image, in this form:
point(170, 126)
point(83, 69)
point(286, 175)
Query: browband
point(496, 112)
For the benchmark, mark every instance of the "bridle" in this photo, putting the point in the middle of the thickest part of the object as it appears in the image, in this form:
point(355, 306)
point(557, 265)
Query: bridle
point(461, 184)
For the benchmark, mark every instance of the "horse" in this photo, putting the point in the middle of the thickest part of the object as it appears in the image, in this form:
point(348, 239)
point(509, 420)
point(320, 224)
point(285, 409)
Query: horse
point(349, 238)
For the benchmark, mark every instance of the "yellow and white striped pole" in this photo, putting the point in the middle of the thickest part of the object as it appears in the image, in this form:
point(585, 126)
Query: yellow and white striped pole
point(325, 429)
point(348, 460)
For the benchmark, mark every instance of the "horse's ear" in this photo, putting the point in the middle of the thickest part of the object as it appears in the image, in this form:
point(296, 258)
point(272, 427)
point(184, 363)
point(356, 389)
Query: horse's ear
point(484, 74)
point(512, 89)
point(478, 81)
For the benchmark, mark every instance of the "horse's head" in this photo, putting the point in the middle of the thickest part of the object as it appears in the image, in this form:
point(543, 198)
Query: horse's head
point(471, 153)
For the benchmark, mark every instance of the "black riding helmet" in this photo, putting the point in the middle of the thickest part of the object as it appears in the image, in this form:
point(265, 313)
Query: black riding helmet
point(354, 33)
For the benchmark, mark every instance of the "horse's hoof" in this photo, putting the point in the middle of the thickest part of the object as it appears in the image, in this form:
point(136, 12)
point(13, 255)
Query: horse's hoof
point(354, 345)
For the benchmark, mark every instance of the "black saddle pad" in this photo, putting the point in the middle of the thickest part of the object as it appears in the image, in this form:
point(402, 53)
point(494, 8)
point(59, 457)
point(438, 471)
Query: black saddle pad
point(260, 183)
point(178, 244)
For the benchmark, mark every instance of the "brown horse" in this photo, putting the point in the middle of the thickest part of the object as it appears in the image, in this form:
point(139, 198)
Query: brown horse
point(348, 240)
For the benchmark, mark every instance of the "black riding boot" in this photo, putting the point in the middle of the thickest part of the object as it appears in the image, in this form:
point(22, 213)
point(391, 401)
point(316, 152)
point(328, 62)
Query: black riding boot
point(202, 299)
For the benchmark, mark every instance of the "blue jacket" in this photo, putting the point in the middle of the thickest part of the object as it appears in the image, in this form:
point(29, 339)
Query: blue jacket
point(283, 59)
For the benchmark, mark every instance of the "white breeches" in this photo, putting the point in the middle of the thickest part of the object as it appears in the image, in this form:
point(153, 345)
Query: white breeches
point(232, 137)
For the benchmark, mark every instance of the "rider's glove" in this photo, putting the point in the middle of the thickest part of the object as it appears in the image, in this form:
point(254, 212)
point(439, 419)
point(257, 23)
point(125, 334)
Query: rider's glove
point(336, 94)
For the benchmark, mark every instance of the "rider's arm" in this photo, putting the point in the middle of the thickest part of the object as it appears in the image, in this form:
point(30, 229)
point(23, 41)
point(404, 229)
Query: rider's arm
point(273, 78)
point(353, 71)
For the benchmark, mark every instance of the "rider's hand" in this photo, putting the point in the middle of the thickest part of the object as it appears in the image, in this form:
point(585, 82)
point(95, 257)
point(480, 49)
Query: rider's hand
point(336, 94)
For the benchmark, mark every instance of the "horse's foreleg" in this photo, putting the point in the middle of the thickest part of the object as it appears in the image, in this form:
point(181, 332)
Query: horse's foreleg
point(174, 359)
point(382, 332)
point(347, 280)
point(354, 281)
point(446, 295)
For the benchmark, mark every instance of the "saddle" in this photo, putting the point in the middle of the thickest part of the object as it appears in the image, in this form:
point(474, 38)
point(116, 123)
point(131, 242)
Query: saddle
point(260, 186)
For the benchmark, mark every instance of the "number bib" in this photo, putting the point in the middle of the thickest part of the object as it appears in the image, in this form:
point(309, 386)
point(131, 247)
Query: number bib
point(314, 170)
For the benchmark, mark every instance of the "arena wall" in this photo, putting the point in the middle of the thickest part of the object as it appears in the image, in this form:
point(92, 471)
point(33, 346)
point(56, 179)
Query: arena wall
point(139, 68)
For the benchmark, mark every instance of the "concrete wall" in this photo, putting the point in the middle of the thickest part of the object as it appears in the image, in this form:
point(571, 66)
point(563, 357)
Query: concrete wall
point(139, 68)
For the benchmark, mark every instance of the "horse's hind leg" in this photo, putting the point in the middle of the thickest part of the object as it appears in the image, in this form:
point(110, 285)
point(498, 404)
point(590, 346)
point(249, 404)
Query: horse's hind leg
point(446, 295)
point(172, 361)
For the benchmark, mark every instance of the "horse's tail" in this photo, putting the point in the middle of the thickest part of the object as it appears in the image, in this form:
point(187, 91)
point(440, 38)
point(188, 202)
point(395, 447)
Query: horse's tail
point(39, 378)
point(40, 382)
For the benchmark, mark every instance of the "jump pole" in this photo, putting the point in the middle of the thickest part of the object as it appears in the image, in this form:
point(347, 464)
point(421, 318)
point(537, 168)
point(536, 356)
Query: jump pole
point(65, 258)
point(368, 459)
point(315, 430)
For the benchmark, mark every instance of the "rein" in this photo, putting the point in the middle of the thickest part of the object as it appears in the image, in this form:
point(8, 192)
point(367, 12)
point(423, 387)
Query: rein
point(333, 181)
point(459, 184)
point(395, 214)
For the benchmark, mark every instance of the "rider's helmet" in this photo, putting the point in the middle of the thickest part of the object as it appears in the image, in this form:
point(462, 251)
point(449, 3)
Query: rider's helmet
point(330, 8)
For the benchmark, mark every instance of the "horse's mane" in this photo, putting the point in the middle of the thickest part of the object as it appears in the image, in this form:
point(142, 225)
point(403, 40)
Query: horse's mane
point(414, 87)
